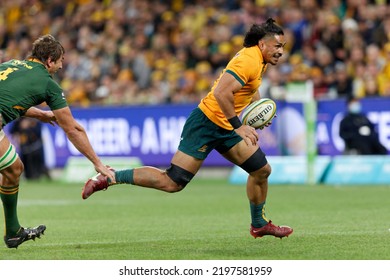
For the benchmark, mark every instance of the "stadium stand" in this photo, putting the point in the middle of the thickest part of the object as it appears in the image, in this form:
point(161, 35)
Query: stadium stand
point(153, 52)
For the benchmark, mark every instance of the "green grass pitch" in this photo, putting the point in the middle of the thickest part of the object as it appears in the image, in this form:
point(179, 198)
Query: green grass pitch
point(209, 220)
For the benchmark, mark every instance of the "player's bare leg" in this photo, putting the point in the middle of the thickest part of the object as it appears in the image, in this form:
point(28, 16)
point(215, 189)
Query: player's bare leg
point(257, 190)
point(146, 176)
point(250, 157)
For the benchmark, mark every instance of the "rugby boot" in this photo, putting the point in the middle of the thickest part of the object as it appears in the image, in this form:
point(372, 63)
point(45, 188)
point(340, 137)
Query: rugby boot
point(96, 183)
point(271, 229)
point(24, 234)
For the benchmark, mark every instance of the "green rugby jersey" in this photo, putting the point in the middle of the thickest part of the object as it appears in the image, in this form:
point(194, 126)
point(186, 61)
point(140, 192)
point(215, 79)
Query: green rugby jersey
point(24, 84)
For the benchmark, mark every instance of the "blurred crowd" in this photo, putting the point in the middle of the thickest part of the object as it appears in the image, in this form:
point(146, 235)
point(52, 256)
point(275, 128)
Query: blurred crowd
point(153, 52)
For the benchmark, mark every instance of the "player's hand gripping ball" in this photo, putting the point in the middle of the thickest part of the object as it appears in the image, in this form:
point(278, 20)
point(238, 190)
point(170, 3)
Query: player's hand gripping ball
point(259, 113)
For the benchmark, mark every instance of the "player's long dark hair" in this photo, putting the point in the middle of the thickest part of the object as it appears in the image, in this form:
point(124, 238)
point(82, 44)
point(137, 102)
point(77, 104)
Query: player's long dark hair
point(46, 47)
point(259, 31)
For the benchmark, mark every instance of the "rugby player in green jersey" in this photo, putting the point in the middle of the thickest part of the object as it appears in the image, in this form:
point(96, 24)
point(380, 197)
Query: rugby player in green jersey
point(23, 85)
point(214, 125)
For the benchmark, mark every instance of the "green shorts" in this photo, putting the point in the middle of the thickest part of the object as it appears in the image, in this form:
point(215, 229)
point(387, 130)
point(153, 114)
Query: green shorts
point(200, 136)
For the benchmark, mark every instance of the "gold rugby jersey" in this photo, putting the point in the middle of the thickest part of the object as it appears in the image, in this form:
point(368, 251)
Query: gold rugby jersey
point(247, 67)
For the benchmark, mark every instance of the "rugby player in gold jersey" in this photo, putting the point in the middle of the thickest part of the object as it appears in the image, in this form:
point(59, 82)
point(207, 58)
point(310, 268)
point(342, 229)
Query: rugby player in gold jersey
point(215, 124)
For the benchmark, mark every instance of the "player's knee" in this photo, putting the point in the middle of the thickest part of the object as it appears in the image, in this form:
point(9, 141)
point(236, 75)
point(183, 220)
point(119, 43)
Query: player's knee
point(256, 162)
point(260, 176)
point(18, 168)
point(179, 177)
point(173, 187)
point(12, 173)
point(257, 166)
point(265, 171)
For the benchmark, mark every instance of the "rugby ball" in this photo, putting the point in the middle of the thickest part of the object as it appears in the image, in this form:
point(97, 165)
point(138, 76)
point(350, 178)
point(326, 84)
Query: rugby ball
point(259, 113)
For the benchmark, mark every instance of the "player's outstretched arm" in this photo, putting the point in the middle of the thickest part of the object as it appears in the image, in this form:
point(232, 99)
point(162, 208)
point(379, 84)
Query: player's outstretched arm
point(78, 136)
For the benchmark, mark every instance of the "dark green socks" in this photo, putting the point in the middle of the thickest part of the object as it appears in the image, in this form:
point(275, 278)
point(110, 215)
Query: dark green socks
point(258, 215)
point(124, 176)
point(9, 197)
